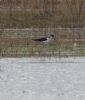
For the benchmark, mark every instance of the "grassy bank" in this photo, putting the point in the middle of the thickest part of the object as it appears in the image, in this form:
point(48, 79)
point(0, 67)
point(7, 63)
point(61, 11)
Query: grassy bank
point(22, 45)
point(43, 50)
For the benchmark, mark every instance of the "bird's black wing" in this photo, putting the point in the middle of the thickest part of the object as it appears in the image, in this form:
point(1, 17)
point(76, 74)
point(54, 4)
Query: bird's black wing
point(40, 39)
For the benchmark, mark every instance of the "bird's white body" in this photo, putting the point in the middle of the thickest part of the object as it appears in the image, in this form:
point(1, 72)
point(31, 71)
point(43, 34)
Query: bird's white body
point(48, 40)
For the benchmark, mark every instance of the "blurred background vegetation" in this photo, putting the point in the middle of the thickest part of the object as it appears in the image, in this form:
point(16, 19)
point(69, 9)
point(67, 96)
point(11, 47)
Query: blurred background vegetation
point(42, 13)
point(22, 20)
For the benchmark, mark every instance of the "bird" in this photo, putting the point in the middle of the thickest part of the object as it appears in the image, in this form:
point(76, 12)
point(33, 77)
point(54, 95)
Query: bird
point(44, 40)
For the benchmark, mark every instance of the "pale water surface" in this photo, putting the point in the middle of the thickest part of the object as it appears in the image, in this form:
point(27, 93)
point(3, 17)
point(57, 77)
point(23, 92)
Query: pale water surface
point(42, 78)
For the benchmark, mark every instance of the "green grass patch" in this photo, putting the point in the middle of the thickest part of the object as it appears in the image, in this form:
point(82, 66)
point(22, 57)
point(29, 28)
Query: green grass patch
point(44, 49)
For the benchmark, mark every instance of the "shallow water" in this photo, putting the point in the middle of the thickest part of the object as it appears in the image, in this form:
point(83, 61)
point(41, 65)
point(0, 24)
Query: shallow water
point(42, 78)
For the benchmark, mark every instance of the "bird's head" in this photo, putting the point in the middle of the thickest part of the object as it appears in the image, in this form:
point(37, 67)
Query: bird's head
point(52, 36)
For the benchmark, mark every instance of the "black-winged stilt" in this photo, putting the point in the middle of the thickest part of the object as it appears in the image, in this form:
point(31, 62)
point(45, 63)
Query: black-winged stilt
point(44, 40)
